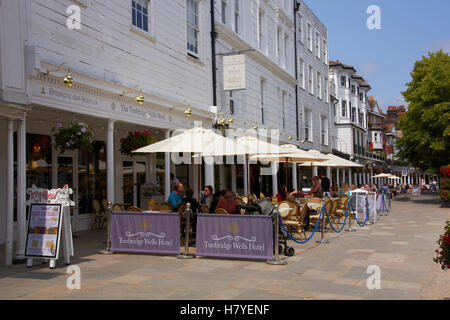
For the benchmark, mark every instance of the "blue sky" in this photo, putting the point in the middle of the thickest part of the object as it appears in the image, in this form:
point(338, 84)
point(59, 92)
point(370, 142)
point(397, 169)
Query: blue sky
point(385, 58)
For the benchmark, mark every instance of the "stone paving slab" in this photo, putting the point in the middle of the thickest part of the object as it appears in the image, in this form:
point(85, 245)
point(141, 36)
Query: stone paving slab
point(402, 244)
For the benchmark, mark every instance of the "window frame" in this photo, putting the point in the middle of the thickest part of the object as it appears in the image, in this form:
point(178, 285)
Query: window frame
point(195, 28)
point(134, 10)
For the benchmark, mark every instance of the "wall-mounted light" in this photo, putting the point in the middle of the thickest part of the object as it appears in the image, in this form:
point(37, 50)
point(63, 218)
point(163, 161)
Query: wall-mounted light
point(68, 80)
point(188, 111)
point(140, 98)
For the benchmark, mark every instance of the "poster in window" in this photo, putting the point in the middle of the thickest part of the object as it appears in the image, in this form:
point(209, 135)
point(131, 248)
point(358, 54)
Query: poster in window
point(44, 230)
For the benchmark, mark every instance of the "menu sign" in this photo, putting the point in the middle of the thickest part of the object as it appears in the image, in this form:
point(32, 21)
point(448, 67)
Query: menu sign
point(44, 230)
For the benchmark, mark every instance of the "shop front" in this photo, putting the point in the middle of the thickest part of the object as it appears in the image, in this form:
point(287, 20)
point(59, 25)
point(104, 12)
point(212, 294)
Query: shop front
point(98, 175)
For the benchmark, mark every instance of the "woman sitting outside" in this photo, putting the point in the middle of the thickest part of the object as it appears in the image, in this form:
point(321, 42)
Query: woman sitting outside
point(334, 190)
point(345, 190)
point(282, 194)
point(316, 190)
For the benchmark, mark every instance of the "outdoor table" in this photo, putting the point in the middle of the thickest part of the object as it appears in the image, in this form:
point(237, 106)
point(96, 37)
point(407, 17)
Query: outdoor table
point(314, 205)
point(284, 212)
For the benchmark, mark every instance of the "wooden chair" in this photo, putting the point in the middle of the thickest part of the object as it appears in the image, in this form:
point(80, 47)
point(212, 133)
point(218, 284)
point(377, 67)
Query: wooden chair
point(181, 208)
point(244, 199)
point(166, 207)
point(204, 208)
point(297, 223)
point(117, 208)
point(221, 211)
point(315, 200)
point(284, 214)
point(333, 211)
point(156, 207)
point(262, 196)
point(134, 209)
point(342, 207)
point(100, 215)
point(313, 218)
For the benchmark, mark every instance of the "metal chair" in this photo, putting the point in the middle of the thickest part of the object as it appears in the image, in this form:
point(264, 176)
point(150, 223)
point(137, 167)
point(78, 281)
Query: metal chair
point(100, 216)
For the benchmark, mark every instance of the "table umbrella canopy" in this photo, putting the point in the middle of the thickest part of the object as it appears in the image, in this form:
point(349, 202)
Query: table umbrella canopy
point(245, 145)
point(393, 177)
point(197, 140)
point(383, 175)
point(333, 161)
point(290, 153)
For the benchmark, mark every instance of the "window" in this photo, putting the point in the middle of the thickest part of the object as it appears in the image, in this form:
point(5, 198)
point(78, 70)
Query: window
point(353, 89)
point(300, 29)
point(139, 11)
point(361, 96)
point(237, 15)
point(286, 51)
point(343, 81)
point(262, 101)
point(308, 125)
point(311, 82)
point(260, 27)
point(224, 11)
point(192, 25)
point(319, 85)
point(231, 103)
point(310, 47)
point(325, 52)
point(353, 114)
point(302, 73)
point(359, 117)
point(279, 45)
point(327, 95)
point(344, 108)
point(317, 45)
point(323, 130)
point(283, 98)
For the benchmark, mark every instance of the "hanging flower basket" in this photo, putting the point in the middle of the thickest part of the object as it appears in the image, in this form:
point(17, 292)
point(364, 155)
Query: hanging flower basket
point(76, 136)
point(135, 141)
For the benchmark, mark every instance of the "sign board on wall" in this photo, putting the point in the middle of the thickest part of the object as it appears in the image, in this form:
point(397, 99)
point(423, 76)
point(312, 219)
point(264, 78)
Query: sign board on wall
point(44, 230)
point(234, 72)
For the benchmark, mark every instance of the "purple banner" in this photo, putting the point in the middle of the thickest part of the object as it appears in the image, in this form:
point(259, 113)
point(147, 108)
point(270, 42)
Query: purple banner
point(234, 236)
point(146, 232)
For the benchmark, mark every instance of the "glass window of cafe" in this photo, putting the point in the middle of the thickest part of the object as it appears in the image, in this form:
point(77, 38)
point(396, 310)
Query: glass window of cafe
point(92, 178)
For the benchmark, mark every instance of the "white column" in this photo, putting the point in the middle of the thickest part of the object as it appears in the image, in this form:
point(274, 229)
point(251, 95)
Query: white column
point(21, 189)
point(10, 196)
point(349, 177)
point(355, 178)
point(294, 177)
point(233, 177)
point(209, 171)
point(167, 170)
point(55, 167)
point(315, 171)
point(274, 180)
point(329, 175)
point(110, 161)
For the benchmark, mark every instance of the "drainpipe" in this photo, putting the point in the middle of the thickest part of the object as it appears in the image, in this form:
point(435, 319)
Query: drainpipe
point(213, 53)
point(296, 8)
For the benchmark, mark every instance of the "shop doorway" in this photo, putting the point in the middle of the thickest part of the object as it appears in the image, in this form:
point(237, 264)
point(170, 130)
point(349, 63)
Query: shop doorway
point(134, 178)
point(67, 174)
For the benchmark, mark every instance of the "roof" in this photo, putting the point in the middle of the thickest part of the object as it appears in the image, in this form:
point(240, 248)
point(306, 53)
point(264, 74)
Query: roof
point(337, 63)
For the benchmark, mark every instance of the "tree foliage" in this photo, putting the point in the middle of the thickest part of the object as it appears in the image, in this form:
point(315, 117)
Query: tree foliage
point(426, 124)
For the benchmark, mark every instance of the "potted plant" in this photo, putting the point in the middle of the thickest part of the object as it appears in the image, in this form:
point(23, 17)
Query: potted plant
point(443, 252)
point(77, 135)
point(135, 141)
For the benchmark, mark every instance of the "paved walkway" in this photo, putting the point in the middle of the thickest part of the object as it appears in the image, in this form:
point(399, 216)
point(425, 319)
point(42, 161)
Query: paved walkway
point(403, 245)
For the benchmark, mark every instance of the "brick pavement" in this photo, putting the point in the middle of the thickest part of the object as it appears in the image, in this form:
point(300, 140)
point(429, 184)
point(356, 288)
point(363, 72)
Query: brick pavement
point(401, 244)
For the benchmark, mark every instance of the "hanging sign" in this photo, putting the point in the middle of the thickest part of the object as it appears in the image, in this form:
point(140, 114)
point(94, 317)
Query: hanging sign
point(44, 230)
point(234, 72)
point(60, 196)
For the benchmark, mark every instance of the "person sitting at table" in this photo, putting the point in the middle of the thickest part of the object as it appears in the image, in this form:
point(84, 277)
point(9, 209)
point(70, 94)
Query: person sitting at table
point(282, 194)
point(316, 190)
point(176, 197)
point(345, 190)
point(215, 201)
point(228, 202)
point(366, 187)
point(188, 198)
point(374, 188)
point(352, 187)
point(334, 190)
point(207, 196)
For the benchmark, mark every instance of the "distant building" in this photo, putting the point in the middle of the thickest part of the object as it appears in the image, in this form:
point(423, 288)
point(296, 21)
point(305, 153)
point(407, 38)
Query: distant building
point(375, 118)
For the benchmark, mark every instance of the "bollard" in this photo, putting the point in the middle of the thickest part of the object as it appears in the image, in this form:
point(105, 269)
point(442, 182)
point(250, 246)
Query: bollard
point(277, 260)
point(186, 254)
point(323, 240)
point(108, 231)
point(350, 228)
